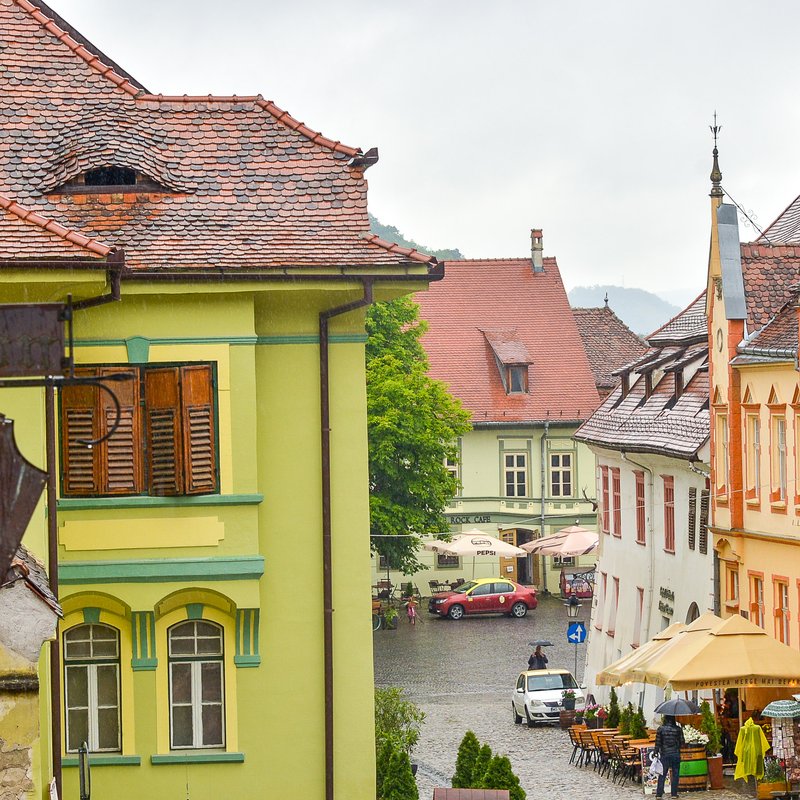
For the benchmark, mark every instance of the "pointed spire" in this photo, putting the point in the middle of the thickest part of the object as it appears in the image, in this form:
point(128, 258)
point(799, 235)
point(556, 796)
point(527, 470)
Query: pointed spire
point(605, 300)
point(716, 174)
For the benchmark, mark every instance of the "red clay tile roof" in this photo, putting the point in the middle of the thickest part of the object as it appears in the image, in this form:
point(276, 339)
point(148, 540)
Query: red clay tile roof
point(507, 346)
point(786, 228)
point(609, 343)
point(778, 336)
point(27, 234)
point(25, 566)
point(686, 325)
point(475, 296)
point(769, 272)
point(245, 185)
point(661, 423)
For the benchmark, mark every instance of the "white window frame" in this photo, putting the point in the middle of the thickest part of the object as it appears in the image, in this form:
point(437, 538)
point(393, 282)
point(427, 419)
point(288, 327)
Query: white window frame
point(560, 469)
point(197, 703)
point(515, 470)
point(90, 664)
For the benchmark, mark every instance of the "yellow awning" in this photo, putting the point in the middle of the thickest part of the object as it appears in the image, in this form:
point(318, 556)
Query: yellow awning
point(613, 674)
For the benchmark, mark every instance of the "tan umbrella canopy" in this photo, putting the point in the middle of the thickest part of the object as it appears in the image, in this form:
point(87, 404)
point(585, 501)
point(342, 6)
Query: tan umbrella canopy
point(571, 541)
point(659, 666)
point(437, 545)
point(738, 653)
point(614, 674)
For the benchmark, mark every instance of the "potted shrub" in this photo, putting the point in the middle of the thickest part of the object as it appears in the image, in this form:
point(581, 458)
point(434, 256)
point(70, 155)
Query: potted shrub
point(590, 716)
point(568, 699)
point(625, 717)
point(711, 728)
point(774, 779)
point(638, 725)
point(613, 710)
point(408, 590)
point(390, 617)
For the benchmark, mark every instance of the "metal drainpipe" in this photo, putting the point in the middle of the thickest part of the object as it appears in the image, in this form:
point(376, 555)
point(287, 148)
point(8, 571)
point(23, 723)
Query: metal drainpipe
point(52, 565)
point(651, 543)
point(327, 567)
point(544, 487)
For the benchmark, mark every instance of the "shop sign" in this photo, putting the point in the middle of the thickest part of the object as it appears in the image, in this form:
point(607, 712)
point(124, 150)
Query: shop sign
point(31, 340)
point(666, 604)
point(469, 519)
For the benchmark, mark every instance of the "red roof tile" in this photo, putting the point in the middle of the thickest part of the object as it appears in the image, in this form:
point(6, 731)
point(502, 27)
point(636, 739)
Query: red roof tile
point(779, 334)
point(27, 234)
point(660, 423)
point(609, 343)
point(769, 273)
point(500, 294)
point(243, 185)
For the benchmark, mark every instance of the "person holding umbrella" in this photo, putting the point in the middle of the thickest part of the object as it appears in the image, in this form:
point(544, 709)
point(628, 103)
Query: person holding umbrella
point(538, 659)
point(669, 738)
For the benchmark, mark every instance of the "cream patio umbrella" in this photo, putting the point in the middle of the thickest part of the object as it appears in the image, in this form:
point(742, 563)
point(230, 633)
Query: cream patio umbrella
point(571, 541)
point(477, 543)
point(614, 673)
point(736, 653)
point(657, 666)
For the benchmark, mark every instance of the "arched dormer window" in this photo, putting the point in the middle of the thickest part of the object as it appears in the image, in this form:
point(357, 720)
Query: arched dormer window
point(110, 178)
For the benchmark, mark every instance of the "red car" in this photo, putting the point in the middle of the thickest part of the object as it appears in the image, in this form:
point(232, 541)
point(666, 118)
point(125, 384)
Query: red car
point(485, 596)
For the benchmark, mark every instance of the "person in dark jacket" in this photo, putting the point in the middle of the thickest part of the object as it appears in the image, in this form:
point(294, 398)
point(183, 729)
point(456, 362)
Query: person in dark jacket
point(538, 659)
point(669, 738)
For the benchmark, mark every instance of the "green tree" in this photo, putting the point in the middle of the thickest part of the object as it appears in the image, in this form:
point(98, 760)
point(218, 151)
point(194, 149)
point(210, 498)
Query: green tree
point(397, 720)
point(465, 761)
point(638, 725)
point(499, 775)
point(709, 726)
point(413, 425)
point(384, 757)
point(625, 718)
point(481, 765)
point(399, 783)
point(612, 721)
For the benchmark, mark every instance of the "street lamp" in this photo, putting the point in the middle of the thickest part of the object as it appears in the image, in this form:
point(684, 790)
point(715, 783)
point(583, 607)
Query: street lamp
point(573, 606)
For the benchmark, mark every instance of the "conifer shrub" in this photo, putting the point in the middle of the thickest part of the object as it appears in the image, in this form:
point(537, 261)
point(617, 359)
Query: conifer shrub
point(399, 783)
point(625, 717)
point(465, 761)
point(638, 725)
point(499, 775)
point(612, 721)
point(384, 757)
point(710, 727)
point(481, 765)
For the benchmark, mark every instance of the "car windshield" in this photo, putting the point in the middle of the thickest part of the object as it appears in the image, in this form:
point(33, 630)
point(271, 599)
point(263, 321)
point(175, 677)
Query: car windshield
point(558, 680)
point(465, 587)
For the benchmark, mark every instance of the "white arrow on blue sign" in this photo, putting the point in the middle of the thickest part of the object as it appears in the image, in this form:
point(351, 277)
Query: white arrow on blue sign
point(576, 633)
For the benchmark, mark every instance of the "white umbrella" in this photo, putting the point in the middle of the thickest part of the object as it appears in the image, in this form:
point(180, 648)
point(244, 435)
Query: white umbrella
point(572, 541)
point(437, 545)
point(477, 543)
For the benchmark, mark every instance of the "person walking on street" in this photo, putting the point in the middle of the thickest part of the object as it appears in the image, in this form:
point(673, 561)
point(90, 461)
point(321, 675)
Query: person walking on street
point(669, 738)
point(538, 659)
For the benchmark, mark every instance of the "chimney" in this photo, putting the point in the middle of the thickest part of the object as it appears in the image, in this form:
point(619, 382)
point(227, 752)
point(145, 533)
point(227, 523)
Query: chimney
point(536, 250)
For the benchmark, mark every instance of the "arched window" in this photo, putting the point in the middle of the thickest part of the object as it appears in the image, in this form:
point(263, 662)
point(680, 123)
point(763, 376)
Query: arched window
point(693, 613)
point(91, 680)
point(196, 685)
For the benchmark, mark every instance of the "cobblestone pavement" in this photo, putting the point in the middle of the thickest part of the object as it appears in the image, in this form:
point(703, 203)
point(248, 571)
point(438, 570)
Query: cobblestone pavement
point(461, 675)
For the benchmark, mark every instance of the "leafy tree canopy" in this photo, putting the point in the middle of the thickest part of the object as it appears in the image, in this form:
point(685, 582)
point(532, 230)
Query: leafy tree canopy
point(390, 234)
point(413, 425)
point(397, 720)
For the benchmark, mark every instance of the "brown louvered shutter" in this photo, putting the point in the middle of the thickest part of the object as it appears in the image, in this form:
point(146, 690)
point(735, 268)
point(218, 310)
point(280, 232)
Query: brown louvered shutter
point(121, 454)
point(199, 429)
point(80, 465)
point(163, 428)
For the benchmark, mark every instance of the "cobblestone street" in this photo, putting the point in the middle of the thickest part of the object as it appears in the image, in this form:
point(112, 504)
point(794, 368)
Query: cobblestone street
point(461, 675)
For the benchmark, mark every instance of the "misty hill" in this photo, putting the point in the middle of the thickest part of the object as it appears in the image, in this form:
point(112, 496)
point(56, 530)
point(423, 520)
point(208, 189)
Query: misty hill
point(640, 310)
point(391, 234)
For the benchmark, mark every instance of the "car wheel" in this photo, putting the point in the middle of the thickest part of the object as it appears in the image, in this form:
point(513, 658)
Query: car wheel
point(517, 717)
point(456, 611)
point(528, 719)
point(519, 610)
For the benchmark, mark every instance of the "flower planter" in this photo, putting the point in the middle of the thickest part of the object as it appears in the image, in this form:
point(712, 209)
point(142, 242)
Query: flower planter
point(694, 767)
point(593, 723)
point(764, 790)
point(715, 772)
point(568, 703)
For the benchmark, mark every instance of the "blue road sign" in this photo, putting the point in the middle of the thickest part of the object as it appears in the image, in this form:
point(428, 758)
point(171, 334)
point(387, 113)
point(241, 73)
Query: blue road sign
point(576, 633)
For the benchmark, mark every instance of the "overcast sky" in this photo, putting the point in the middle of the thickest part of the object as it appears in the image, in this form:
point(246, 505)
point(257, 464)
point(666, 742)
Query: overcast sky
point(587, 118)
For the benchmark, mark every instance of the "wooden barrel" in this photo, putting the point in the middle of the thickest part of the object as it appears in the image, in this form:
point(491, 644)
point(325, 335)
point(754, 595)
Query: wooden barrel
point(694, 768)
point(566, 718)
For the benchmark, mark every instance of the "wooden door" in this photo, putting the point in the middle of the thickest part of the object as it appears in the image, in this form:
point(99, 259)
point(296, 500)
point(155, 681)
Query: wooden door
point(508, 566)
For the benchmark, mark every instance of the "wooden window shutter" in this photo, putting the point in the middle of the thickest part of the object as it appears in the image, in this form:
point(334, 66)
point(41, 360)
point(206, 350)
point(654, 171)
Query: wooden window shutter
point(163, 431)
point(121, 460)
point(199, 429)
point(80, 465)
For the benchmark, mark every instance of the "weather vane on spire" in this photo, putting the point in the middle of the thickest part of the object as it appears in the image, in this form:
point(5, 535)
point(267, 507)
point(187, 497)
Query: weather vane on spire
point(716, 175)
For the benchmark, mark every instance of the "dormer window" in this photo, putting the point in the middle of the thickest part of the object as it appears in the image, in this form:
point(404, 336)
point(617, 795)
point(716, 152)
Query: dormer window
point(517, 379)
point(110, 176)
point(512, 358)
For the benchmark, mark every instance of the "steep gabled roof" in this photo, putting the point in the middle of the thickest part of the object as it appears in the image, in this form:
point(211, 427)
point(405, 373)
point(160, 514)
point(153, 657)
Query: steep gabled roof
point(234, 182)
point(476, 296)
point(769, 272)
point(661, 421)
point(785, 229)
point(609, 343)
point(779, 337)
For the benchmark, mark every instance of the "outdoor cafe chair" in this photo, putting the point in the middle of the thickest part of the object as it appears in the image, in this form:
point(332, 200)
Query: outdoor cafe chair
point(588, 747)
point(576, 742)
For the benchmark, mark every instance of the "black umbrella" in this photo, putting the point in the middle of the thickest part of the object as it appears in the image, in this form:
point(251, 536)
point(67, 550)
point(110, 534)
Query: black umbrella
point(541, 643)
point(677, 707)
